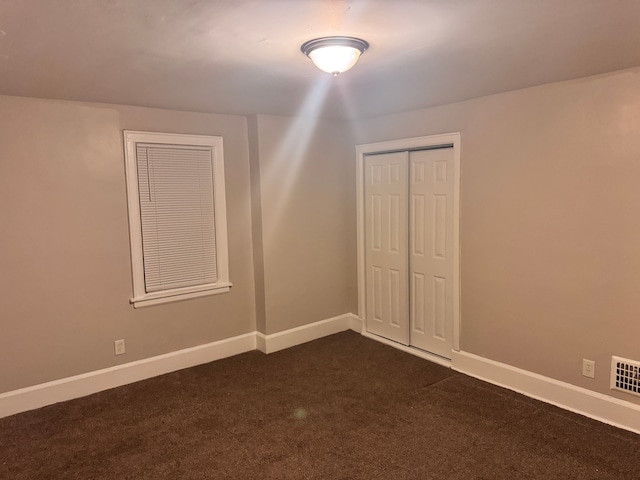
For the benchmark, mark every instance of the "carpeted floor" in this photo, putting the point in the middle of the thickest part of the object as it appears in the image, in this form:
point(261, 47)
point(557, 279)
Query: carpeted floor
point(343, 407)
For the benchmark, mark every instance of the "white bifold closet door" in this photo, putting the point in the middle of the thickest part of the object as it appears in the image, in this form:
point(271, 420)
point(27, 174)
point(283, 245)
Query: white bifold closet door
point(409, 248)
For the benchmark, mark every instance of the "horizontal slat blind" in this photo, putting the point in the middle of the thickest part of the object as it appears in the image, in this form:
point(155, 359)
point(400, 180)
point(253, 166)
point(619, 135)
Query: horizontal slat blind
point(177, 216)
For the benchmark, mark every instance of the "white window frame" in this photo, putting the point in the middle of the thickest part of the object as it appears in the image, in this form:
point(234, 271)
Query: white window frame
point(141, 297)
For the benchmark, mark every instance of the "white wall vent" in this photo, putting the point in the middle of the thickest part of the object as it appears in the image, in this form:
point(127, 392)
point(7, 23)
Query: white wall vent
point(625, 375)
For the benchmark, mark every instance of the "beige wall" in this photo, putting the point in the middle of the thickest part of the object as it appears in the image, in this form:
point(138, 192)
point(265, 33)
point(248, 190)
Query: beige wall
point(550, 182)
point(549, 234)
point(64, 248)
point(307, 219)
point(256, 224)
point(65, 274)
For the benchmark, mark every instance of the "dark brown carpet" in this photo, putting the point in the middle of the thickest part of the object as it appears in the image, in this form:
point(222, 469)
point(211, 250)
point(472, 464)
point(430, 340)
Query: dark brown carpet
point(340, 407)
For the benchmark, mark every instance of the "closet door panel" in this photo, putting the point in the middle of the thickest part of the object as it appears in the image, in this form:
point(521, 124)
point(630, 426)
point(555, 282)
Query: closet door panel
point(430, 250)
point(386, 245)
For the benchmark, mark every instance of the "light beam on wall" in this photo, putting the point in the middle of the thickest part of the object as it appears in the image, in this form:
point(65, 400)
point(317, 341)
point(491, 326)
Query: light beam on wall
point(283, 166)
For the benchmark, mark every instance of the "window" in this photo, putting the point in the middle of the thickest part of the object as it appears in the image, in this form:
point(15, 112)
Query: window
point(177, 216)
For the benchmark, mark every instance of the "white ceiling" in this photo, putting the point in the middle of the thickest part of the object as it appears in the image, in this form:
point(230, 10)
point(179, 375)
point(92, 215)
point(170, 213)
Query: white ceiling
point(243, 56)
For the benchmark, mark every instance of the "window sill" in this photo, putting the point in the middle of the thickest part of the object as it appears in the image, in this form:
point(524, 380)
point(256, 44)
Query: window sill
point(158, 298)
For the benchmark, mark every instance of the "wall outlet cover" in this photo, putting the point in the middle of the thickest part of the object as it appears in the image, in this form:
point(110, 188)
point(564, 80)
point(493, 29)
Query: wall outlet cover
point(588, 368)
point(119, 347)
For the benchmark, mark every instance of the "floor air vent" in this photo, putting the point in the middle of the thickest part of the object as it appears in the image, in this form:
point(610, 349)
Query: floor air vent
point(625, 375)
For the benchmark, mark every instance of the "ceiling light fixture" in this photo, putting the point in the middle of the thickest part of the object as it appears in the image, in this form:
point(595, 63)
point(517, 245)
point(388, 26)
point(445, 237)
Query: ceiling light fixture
point(334, 55)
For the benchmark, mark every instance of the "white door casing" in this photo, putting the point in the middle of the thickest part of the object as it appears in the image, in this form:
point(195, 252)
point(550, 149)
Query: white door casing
point(386, 244)
point(433, 270)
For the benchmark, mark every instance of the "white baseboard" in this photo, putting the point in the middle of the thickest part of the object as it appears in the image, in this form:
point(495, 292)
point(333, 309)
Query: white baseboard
point(306, 333)
point(261, 342)
point(356, 323)
point(87, 383)
point(48, 393)
point(604, 408)
point(595, 405)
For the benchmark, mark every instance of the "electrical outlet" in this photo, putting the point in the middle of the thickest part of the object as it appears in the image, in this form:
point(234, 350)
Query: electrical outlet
point(119, 347)
point(588, 368)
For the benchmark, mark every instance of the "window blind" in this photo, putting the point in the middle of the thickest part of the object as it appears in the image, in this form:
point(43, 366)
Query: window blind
point(177, 216)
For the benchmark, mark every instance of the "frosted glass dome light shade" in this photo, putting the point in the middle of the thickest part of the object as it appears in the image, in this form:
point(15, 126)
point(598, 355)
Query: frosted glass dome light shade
point(334, 55)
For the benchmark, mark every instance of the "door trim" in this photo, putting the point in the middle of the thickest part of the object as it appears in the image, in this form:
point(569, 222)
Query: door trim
point(432, 141)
